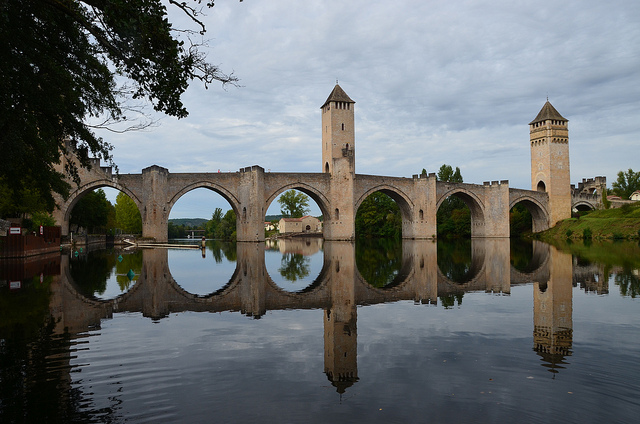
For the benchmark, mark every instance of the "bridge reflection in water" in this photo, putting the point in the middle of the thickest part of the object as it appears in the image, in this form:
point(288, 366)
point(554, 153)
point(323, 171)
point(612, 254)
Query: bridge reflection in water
point(339, 289)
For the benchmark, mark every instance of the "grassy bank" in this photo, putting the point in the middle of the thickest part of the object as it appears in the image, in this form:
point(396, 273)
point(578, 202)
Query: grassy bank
point(625, 254)
point(614, 224)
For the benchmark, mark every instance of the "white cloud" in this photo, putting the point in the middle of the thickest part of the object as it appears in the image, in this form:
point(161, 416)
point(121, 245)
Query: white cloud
point(434, 82)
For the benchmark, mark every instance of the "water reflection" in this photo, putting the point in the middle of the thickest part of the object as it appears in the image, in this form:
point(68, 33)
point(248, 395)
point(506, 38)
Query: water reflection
point(346, 278)
point(294, 264)
point(104, 274)
point(205, 273)
point(552, 313)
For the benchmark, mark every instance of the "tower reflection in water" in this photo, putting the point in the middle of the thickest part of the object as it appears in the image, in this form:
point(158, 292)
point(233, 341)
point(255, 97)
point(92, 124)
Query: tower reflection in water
point(338, 289)
point(552, 312)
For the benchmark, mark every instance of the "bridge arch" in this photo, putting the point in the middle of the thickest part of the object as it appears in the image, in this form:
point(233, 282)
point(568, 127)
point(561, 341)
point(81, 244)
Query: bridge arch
point(403, 201)
point(226, 194)
point(583, 205)
point(538, 211)
point(319, 197)
point(473, 202)
point(76, 195)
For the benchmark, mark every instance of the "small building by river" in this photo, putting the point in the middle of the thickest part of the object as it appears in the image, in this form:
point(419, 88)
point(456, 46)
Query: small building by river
point(306, 224)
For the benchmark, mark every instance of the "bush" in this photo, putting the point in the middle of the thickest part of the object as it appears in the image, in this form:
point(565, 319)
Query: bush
point(618, 236)
point(626, 208)
point(587, 234)
point(569, 233)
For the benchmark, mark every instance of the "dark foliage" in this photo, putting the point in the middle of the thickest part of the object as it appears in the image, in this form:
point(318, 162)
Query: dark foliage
point(60, 62)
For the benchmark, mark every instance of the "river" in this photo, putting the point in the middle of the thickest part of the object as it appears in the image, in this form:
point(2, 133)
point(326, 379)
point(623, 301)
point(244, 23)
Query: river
point(488, 330)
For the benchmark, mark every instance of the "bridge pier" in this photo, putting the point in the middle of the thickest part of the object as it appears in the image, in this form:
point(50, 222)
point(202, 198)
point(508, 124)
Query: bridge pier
point(423, 213)
point(155, 214)
point(250, 217)
point(496, 211)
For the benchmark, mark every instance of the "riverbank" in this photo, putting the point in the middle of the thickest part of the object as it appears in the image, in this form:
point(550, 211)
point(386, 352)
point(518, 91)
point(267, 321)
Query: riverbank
point(614, 224)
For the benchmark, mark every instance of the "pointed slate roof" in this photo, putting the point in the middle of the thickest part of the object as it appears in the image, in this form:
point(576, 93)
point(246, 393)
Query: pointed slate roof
point(548, 112)
point(337, 95)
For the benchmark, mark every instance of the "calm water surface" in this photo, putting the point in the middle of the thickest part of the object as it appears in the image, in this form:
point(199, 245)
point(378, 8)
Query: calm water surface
point(306, 331)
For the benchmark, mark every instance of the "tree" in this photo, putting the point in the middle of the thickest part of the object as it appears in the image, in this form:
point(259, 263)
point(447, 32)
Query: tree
point(453, 216)
point(293, 204)
point(227, 230)
point(92, 212)
point(212, 227)
point(65, 62)
point(626, 184)
point(17, 202)
point(378, 216)
point(520, 221)
point(127, 214)
point(445, 173)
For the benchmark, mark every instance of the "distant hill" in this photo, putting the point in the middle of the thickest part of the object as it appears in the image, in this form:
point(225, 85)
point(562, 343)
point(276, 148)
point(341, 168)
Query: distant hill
point(188, 222)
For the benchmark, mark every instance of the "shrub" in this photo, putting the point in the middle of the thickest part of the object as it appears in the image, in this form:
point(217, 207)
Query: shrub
point(587, 234)
point(618, 236)
point(626, 208)
point(569, 233)
point(605, 202)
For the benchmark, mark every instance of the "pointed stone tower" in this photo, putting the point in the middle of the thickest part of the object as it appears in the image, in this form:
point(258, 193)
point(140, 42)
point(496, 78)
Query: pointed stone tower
point(549, 137)
point(338, 132)
point(338, 160)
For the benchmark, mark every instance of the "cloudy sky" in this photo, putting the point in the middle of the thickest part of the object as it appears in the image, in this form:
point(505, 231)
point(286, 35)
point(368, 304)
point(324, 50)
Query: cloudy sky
point(435, 81)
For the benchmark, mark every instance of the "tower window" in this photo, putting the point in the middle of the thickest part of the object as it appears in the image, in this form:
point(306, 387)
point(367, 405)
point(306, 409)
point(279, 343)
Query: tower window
point(342, 127)
point(337, 214)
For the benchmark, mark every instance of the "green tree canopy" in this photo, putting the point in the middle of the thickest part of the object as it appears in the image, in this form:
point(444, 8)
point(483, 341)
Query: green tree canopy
point(378, 216)
point(446, 173)
point(293, 204)
point(127, 214)
point(626, 184)
point(453, 216)
point(92, 211)
point(63, 62)
point(16, 202)
point(212, 227)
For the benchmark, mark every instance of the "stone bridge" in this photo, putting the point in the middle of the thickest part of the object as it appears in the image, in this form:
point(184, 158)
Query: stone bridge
point(251, 190)
point(338, 190)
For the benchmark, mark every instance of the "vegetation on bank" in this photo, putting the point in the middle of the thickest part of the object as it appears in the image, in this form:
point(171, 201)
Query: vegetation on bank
point(614, 224)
